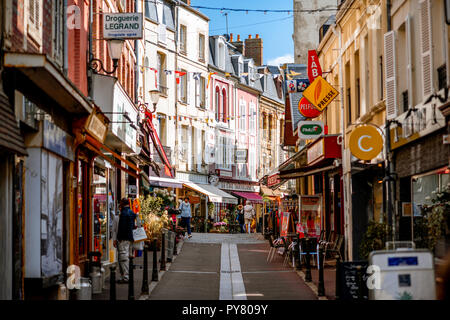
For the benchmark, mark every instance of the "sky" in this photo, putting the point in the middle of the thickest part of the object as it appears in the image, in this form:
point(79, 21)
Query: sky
point(274, 28)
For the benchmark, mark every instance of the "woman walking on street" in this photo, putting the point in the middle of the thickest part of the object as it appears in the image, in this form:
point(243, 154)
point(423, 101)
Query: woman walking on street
point(186, 215)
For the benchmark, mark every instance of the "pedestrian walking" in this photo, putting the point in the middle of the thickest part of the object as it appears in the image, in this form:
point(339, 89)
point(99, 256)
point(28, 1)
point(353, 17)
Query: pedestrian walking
point(240, 217)
point(185, 208)
point(123, 237)
point(249, 214)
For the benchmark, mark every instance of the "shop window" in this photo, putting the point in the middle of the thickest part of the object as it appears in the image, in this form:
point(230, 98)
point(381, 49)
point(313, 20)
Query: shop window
point(100, 211)
point(425, 187)
point(82, 207)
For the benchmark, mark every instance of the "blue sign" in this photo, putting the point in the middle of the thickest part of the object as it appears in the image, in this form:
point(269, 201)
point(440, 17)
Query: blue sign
point(58, 141)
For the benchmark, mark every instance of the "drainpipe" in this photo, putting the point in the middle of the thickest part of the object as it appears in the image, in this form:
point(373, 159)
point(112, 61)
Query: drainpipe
point(136, 53)
point(90, 53)
point(66, 45)
point(346, 176)
point(177, 142)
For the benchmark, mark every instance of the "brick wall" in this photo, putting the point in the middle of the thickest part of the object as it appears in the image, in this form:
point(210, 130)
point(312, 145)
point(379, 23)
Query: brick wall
point(254, 49)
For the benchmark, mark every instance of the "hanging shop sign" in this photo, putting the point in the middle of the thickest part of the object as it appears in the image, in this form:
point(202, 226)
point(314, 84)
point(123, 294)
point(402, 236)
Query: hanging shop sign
point(320, 93)
point(296, 85)
point(310, 129)
point(97, 125)
point(307, 109)
point(314, 69)
point(365, 142)
point(122, 25)
point(273, 180)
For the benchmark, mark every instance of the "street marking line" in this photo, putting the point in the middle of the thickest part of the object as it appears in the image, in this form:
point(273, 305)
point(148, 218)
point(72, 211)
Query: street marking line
point(236, 277)
point(225, 291)
point(186, 271)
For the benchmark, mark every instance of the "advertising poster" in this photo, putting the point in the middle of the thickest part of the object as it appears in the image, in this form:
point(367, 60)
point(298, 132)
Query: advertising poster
point(284, 224)
point(310, 214)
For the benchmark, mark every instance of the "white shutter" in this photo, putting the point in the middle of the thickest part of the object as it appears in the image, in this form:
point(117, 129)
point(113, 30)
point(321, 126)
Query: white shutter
point(391, 75)
point(197, 93)
point(426, 48)
point(188, 97)
point(162, 33)
point(410, 59)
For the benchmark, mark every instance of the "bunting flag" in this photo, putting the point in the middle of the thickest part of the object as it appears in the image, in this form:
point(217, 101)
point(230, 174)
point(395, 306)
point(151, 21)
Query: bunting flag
point(227, 74)
point(179, 74)
point(209, 78)
point(196, 75)
point(167, 72)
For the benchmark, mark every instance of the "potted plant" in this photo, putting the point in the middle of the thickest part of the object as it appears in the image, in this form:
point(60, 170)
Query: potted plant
point(375, 237)
point(154, 219)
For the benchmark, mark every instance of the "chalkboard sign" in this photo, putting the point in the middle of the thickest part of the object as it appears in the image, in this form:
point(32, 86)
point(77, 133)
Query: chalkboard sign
point(352, 282)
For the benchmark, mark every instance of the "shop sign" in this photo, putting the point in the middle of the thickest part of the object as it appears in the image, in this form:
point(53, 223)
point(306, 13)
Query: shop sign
point(194, 199)
point(57, 140)
point(120, 126)
point(315, 152)
point(314, 69)
point(307, 109)
point(241, 155)
point(97, 125)
point(296, 85)
point(273, 180)
point(284, 224)
point(310, 129)
point(365, 142)
point(320, 93)
point(132, 190)
point(122, 25)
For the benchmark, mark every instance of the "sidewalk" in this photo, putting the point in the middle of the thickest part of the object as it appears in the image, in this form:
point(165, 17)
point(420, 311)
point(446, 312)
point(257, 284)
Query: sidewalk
point(122, 289)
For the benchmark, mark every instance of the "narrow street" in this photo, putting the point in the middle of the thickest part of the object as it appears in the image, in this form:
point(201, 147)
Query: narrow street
point(229, 267)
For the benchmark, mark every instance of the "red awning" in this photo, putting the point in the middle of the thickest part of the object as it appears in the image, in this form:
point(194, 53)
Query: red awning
point(159, 148)
point(252, 196)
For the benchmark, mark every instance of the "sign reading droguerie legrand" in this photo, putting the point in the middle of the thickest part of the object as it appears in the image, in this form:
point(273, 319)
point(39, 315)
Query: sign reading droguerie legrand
point(122, 25)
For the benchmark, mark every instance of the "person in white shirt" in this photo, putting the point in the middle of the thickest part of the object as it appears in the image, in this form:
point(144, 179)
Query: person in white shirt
point(249, 214)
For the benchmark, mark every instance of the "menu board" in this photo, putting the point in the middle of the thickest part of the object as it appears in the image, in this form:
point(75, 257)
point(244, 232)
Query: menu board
point(353, 286)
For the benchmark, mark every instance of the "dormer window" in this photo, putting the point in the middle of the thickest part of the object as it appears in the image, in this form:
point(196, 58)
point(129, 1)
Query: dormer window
point(221, 56)
point(240, 67)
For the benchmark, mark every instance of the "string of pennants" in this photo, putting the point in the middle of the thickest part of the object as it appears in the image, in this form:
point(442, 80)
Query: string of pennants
point(205, 119)
point(178, 74)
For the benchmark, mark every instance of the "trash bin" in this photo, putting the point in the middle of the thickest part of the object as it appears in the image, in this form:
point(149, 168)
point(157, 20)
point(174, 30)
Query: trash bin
point(402, 274)
point(85, 291)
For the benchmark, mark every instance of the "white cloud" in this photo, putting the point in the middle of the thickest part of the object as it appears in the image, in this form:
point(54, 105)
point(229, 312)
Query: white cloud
point(287, 58)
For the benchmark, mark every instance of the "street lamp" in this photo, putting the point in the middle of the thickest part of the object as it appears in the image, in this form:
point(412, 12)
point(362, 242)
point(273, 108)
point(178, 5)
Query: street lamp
point(115, 47)
point(154, 96)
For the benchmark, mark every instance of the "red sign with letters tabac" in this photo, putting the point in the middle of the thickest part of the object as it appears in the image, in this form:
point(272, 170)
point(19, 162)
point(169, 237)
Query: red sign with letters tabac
point(314, 69)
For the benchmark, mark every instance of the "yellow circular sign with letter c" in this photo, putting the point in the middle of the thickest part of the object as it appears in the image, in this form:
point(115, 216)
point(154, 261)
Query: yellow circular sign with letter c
point(366, 142)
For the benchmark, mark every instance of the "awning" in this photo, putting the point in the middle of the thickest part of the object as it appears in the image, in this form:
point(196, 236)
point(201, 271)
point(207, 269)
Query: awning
point(325, 165)
point(203, 188)
point(159, 147)
point(252, 196)
point(165, 182)
point(226, 197)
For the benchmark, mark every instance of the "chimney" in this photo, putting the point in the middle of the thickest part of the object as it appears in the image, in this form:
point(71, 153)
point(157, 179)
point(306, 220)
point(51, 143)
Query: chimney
point(254, 49)
point(238, 44)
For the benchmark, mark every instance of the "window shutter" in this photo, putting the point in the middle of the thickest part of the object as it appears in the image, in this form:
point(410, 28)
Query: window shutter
point(197, 93)
point(188, 98)
point(426, 48)
point(391, 73)
point(410, 59)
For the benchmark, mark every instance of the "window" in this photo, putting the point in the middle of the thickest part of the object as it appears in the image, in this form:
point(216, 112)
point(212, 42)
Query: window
point(442, 77)
point(201, 47)
point(162, 129)
point(183, 87)
point(270, 127)
point(150, 10)
point(424, 186)
point(405, 101)
point(184, 143)
point(221, 56)
point(183, 34)
point(193, 150)
point(224, 106)
point(217, 101)
point(349, 107)
point(162, 77)
point(358, 99)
